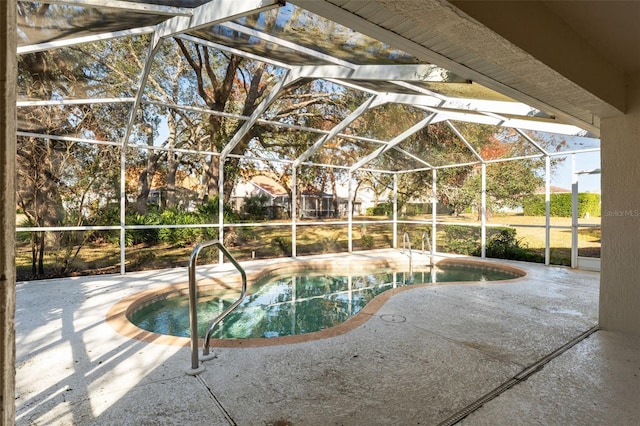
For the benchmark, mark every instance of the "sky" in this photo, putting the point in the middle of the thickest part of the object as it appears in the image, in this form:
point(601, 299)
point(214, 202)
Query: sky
point(586, 183)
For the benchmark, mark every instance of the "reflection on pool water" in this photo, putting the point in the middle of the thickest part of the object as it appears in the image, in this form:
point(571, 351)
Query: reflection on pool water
point(295, 304)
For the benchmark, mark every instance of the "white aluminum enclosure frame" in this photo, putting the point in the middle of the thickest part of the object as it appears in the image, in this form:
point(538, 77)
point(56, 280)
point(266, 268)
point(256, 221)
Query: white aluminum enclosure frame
point(180, 21)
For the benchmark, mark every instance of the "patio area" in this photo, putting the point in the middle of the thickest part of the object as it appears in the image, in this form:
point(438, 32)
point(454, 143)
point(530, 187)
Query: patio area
point(429, 355)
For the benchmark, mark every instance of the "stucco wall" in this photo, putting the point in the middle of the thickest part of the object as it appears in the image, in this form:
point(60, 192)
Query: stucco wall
point(620, 276)
point(8, 211)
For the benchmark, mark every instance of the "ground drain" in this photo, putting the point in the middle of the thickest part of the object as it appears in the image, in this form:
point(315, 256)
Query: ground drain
point(518, 378)
point(393, 318)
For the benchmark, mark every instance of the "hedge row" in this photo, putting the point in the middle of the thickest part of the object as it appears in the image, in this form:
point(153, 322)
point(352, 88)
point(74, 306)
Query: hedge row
point(561, 205)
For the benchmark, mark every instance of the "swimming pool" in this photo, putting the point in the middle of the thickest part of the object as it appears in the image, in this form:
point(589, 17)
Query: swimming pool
point(299, 303)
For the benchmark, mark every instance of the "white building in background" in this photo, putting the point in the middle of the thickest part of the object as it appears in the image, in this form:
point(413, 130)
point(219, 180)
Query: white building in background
point(277, 197)
point(312, 204)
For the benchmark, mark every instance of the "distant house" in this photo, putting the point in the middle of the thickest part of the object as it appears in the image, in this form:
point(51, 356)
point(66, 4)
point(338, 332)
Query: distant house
point(313, 204)
point(183, 198)
point(320, 204)
point(277, 196)
point(553, 190)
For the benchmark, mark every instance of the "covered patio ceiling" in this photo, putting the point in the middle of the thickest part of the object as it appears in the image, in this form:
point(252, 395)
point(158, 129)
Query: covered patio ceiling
point(277, 33)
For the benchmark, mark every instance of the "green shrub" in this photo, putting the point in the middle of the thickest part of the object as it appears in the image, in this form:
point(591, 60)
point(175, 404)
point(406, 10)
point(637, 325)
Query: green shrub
point(255, 207)
point(142, 236)
point(503, 244)
point(282, 245)
point(461, 239)
point(331, 245)
point(249, 234)
point(366, 241)
point(589, 204)
point(208, 212)
point(180, 237)
point(560, 205)
point(382, 209)
point(417, 208)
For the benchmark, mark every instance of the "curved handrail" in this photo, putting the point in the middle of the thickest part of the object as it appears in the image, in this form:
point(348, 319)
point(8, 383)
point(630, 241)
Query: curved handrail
point(425, 237)
point(193, 300)
point(405, 238)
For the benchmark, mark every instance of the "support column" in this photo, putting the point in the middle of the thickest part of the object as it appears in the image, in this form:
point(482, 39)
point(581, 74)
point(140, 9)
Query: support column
point(620, 274)
point(294, 211)
point(221, 162)
point(434, 210)
point(395, 210)
point(8, 78)
point(574, 213)
point(350, 202)
point(547, 210)
point(483, 212)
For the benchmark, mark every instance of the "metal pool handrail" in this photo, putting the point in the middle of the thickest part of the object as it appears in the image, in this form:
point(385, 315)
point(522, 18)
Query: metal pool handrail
point(425, 237)
point(193, 300)
point(405, 238)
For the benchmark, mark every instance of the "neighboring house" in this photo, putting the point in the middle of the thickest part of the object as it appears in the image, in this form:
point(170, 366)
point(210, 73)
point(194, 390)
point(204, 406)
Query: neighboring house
point(365, 198)
point(277, 196)
point(553, 190)
point(320, 204)
point(185, 199)
point(313, 204)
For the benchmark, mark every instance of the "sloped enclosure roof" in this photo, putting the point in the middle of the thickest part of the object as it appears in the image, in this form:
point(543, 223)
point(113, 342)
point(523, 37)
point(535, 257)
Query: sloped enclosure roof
point(298, 54)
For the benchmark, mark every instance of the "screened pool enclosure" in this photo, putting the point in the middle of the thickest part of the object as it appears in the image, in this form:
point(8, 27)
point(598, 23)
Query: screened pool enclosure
point(145, 127)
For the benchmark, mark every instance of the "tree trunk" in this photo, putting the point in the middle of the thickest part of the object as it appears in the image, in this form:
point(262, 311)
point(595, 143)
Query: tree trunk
point(170, 200)
point(143, 192)
point(334, 196)
point(34, 253)
point(212, 174)
point(355, 194)
point(145, 180)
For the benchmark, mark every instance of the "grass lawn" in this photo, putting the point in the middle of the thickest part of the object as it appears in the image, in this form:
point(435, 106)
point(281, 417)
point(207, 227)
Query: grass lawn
point(534, 238)
point(275, 241)
point(560, 239)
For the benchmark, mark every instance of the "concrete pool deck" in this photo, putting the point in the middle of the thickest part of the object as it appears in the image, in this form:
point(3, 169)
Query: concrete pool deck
point(425, 356)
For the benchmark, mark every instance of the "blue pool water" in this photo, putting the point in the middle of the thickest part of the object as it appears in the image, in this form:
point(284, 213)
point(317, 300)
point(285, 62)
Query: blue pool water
point(295, 304)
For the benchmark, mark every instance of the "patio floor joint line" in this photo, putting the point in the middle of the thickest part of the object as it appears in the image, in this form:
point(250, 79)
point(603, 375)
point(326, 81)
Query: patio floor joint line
point(518, 378)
